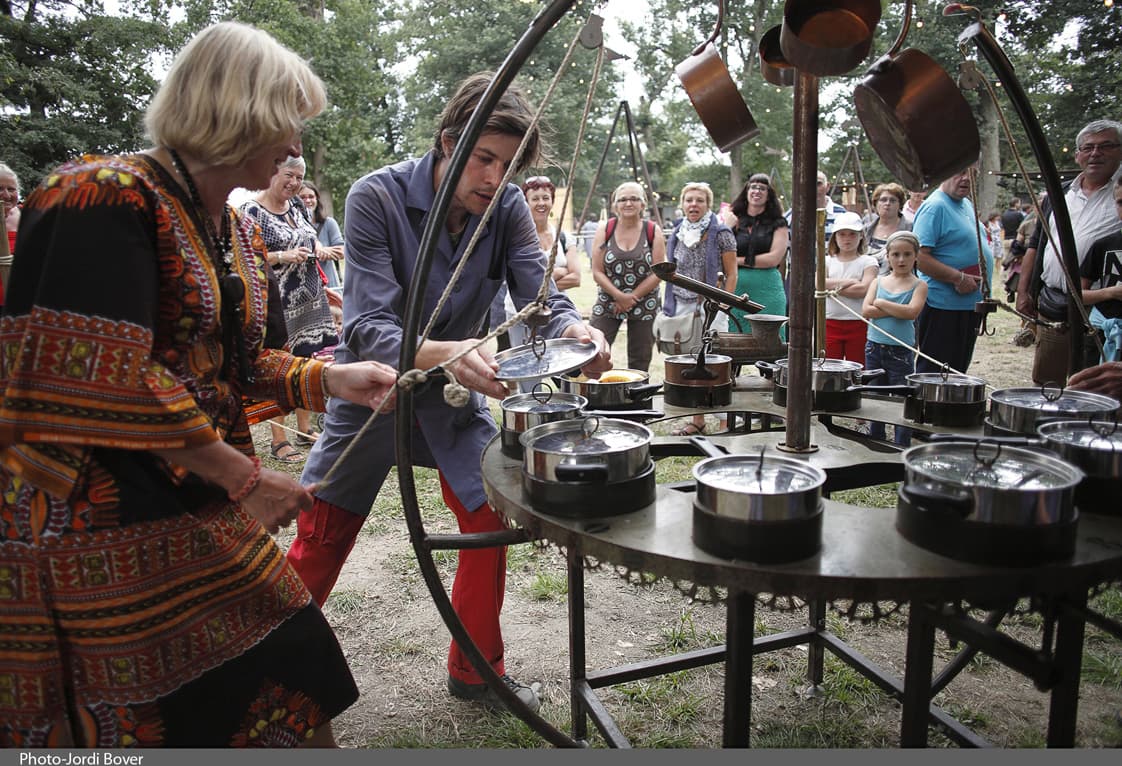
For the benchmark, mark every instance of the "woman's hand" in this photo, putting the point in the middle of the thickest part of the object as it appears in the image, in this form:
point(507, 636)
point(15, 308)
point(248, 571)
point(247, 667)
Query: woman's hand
point(625, 302)
point(365, 383)
point(295, 255)
point(277, 500)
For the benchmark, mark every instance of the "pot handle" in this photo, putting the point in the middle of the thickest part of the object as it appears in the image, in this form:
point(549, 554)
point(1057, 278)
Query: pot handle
point(1010, 441)
point(767, 369)
point(932, 501)
point(642, 391)
point(708, 448)
point(863, 375)
point(904, 390)
point(597, 472)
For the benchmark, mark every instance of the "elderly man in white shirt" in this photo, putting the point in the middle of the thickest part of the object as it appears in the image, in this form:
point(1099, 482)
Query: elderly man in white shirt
point(1090, 202)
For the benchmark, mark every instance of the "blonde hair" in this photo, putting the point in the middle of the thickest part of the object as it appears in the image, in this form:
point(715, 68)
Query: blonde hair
point(641, 193)
point(700, 186)
point(230, 92)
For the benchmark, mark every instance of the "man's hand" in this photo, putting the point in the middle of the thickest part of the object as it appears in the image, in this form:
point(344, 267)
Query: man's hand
point(968, 285)
point(477, 370)
point(584, 332)
point(1103, 379)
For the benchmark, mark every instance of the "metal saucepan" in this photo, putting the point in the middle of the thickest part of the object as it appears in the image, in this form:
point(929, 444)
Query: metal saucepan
point(825, 374)
point(895, 102)
point(1021, 410)
point(698, 370)
point(589, 449)
point(614, 389)
point(939, 398)
point(774, 68)
point(714, 95)
point(828, 37)
point(759, 487)
point(990, 483)
point(521, 412)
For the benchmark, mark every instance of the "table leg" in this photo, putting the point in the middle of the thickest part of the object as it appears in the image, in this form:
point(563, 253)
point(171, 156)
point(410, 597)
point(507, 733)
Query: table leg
point(1068, 658)
point(577, 663)
point(919, 661)
point(816, 650)
point(739, 636)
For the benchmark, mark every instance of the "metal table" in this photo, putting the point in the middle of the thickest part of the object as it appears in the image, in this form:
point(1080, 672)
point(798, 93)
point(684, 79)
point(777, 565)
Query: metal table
point(863, 558)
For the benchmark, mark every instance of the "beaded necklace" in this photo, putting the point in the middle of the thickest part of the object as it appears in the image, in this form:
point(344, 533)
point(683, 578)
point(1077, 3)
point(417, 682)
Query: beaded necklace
point(230, 284)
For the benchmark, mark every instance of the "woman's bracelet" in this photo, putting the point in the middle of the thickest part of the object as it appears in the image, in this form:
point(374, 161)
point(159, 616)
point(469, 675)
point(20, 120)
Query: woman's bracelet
point(250, 483)
point(326, 388)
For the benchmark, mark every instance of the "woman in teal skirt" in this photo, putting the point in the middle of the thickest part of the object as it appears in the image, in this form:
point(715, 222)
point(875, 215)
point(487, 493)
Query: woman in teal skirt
point(761, 246)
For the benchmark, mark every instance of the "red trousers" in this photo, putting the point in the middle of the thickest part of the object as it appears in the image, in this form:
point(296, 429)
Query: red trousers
point(326, 534)
point(845, 339)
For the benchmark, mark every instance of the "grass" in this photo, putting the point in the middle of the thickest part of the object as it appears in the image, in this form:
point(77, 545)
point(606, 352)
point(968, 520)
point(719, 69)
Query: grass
point(1104, 669)
point(846, 686)
point(548, 586)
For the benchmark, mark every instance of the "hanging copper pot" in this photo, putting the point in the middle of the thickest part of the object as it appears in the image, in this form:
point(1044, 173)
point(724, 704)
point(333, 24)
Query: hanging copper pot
point(775, 69)
point(915, 116)
point(828, 37)
point(714, 95)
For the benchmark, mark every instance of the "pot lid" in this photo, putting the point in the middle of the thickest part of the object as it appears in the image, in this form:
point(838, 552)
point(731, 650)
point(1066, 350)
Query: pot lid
point(692, 359)
point(545, 401)
point(1096, 436)
point(543, 358)
point(989, 465)
point(758, 474)
point(820, 364)
point(1055, 400)
point(950, 379)
point(586, 436)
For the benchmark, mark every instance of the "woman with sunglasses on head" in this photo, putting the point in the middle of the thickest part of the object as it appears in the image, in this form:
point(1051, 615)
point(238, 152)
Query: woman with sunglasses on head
point(143, 602)
point(623, 250)
point(756, 219)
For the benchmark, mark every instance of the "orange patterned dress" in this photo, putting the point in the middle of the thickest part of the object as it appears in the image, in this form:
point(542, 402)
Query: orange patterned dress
point(138, 605)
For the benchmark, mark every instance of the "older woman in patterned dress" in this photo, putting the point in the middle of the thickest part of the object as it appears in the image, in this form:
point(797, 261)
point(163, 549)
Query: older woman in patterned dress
point(142, 599)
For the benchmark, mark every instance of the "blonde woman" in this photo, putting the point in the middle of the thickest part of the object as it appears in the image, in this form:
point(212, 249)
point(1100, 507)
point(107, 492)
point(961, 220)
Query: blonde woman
point(157, 609)
point(623, 250)
point(705, 250)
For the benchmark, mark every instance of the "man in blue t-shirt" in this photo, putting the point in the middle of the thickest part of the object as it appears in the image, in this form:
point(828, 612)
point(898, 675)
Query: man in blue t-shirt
point(950, 235)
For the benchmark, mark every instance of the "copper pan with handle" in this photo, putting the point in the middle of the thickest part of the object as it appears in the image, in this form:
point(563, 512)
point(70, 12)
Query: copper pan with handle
point(773, 66)
point(915, 116)
point(828, 37)
point(714, 95)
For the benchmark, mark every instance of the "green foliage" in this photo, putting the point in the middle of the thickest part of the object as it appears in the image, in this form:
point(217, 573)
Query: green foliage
point(548, 586)
point(72, 80)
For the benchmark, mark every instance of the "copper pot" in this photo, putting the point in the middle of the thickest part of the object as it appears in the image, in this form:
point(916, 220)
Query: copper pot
point(828, 37)
point(773, 66)
point(713, 93)
point(916, 119)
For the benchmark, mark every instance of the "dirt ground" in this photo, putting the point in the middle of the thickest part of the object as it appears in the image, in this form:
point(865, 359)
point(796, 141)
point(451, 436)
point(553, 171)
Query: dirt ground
point(396, 645)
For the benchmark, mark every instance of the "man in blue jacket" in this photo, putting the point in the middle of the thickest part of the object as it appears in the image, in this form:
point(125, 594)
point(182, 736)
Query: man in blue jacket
point(386, 213)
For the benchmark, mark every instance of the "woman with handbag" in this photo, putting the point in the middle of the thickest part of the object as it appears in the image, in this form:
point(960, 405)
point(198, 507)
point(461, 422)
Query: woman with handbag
point(623, 250)
point(705, 250)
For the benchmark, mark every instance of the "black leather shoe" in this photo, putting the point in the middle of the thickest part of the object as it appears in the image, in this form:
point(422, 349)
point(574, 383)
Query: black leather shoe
point(483, 694)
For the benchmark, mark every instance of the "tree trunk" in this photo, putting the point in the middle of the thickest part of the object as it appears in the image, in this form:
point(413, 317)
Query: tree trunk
point(989, 130)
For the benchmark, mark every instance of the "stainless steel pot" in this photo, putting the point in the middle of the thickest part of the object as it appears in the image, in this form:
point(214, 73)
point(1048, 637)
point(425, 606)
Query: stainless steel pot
point(521, 412)
point(825, 374)
point(937, 388)
point(590, 449)
point(759, 487)
point(684, 370)
point(1021, 410)
point(1093, 447)
point(990, 483)
point(614, 389)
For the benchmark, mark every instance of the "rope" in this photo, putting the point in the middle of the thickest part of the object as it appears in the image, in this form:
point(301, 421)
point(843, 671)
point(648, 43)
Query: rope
point(833, 295)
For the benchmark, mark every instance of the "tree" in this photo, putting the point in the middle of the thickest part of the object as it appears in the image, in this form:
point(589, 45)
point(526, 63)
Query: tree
point(72, 80)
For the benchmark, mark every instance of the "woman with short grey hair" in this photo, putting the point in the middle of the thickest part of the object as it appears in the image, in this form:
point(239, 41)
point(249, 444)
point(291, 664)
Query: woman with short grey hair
point(293, 250)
